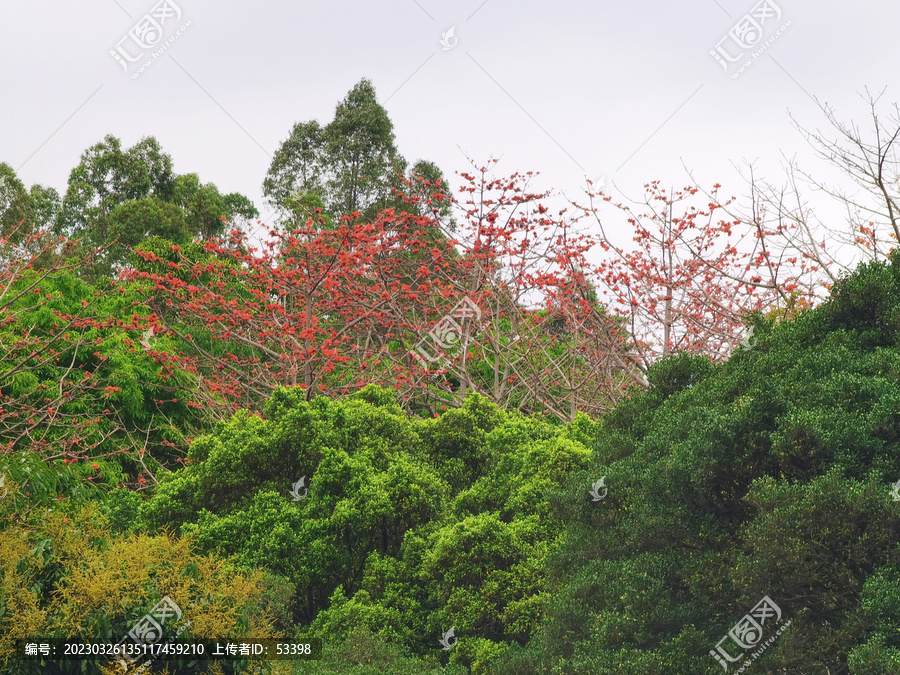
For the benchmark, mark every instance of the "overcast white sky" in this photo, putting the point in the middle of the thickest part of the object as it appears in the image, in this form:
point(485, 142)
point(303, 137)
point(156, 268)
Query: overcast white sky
point(568, 88)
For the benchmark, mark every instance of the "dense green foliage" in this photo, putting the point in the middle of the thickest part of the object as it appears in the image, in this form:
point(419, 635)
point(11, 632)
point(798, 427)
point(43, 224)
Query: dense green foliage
point(410, 526)
point(78, 382)
point(767, 475)
point(140, 458)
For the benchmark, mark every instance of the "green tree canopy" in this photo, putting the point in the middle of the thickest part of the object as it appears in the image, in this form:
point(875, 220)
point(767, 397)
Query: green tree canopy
point(119, 197)
point(351, 164)
point(24, 211)
point(767, 475)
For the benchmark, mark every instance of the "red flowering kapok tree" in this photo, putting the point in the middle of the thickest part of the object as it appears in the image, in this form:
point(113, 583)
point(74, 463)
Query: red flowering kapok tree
point(541, 341)
point(694, 274)
point(306, 310)
point(333, 308)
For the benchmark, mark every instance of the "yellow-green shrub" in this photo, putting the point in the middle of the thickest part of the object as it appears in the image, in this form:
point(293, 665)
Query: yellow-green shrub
point(66, 575)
